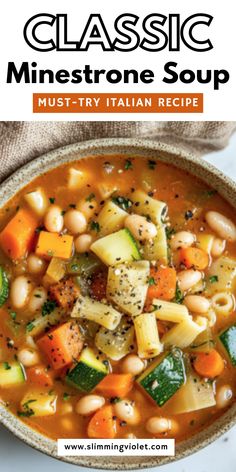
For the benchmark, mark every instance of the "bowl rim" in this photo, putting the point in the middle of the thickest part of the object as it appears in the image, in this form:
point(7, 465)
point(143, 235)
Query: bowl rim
point(125, 146)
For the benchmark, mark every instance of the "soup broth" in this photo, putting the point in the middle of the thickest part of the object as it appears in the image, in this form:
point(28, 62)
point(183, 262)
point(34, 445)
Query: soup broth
point(117, 287)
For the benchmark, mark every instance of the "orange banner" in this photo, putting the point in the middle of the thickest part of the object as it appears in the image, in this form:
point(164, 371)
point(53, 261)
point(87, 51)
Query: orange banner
point(118, 103)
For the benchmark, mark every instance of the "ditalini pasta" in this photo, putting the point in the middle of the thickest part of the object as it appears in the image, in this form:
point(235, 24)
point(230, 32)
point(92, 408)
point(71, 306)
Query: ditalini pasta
point(117, 301)
point(223, 303)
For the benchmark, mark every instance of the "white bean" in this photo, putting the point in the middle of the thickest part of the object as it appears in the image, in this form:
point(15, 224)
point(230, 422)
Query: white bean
point(126, 411)
point(182, 239)
point(89, 404)
point(75, 221)
point(223, 396)
point(87, 208)
point(83, 243)
point(132, 364)
point(218, 247)
point(140, 227)
point(158, 425)
point(35, 264)
point(53, 220)
point(37, 299)
point(222, 225)
point(197, 303)
point(188, 278)
point(20, 290)
point(28, 357)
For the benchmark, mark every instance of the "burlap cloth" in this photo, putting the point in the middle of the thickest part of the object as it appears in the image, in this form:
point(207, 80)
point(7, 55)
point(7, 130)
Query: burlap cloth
point(22, 141)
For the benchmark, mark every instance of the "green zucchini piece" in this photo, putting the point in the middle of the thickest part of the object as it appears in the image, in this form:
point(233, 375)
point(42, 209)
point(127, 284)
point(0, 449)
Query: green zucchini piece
point(203, 342)
point(156, 249)
point(11, 374)
point(164, 377)
point(4, 287)
point(88, 372)
point(194, 395)
point(116, 248)
point(84, 265)
point(127, 286)
point(228, 339)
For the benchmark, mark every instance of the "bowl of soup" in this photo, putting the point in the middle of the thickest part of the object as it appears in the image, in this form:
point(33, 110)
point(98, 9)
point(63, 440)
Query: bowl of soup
point(117, 284)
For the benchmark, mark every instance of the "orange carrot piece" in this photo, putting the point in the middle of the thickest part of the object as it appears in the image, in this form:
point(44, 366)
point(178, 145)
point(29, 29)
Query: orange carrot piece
point(194, 257)
point(116, 385)
point(18, 236)
point(103, 425)
point(162, 284)
point(39, 375)
point(61, 345)
point(65, 293)
point(54, 245)
point(208, 364)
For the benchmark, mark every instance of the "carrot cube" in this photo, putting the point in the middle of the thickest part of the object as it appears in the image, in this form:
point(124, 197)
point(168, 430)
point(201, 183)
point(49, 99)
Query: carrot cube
point(18, 236)
point(54, 245)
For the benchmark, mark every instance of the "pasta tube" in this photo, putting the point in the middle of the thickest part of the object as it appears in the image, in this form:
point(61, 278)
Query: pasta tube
point(147, 335)
point(184, 333)
point(169, 311)
point(92, 310)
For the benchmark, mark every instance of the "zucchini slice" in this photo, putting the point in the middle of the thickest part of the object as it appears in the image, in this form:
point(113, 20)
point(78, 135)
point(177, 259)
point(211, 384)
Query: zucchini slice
point(204, 342)
point(88, 372)
point(127, 286)
point(228, 339)
point(4, 287)
point(156, 249)
point(194, 395)
point(89, 309)
point(116, 344)
point(116, 248)
point(11, 374)
point(164, 377)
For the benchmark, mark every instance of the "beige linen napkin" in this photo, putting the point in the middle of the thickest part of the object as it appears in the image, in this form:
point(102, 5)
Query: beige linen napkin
point(22, 141)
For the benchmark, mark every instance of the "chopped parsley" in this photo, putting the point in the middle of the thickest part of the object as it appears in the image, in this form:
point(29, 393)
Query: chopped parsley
point(66, 396)
point(213, 279)
point(152, 164)
point(122, 202)
point(90, 197)
point(151, 281)
point(6, 366)
point(48, 307)
point(114, 400)
point(30, 326)
point(13, 315)
point(128, 164)
point(169, 232)
point(27, 410)
point(188, 215)
point(95, 226)
point(38, 229)
point(178, 296)
point(52, 199)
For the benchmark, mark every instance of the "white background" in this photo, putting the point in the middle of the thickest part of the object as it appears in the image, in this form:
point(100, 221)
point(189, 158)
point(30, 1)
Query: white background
point(218, 457)
point(16, 99)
